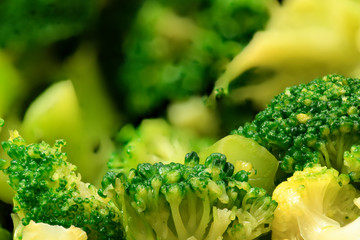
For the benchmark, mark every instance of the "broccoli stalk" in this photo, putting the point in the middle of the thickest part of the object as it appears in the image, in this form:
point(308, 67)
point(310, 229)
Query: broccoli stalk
point(190, 201)
point(310, 123)
point(48, 190)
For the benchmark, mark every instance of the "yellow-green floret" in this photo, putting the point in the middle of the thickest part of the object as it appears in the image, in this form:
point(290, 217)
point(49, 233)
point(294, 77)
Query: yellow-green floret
point(316, 204)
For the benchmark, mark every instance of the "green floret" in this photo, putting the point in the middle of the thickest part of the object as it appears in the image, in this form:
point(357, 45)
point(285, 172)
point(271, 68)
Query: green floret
point(48, 190)
point(190, 201)
point(177, 49)
point(154, 140)
point(352, 163)
point(310, 123)
point(24, 23)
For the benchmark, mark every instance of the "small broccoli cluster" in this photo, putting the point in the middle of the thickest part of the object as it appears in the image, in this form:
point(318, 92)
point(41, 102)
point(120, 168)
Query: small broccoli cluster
point(310, 123)
point(190, 201)
point(177, 49)
point(154, 140)
point(42, 22)
point(48, 190)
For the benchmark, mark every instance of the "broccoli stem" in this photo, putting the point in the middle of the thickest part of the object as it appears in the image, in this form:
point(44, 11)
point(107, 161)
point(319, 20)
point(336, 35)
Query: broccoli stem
point(340, 152)
point(326, 156)
point(205, 218)
point(222, 219)
point(179, 224)
point(191, 209)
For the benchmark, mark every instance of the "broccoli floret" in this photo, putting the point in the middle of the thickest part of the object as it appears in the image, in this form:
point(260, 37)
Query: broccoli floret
point(59, 113)
point(316, 204)
point(310, 123)
point(194, 114)
point(246, 154)
point(24, 23)
point(295, 47)
point(35, 231)
point(177, 49)
point(154, 140)
point(352, 163)
point(190, 201)
point(48, 190)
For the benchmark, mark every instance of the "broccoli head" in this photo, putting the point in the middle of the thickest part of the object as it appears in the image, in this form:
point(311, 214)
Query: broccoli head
point(246, 154)
point(303, 40)
point(154, 140)
point(177, 49)
point(310, 123)
point(24, 23)
point(316, 204)
point(48, 190)
point(190, 201)
point(34, 231)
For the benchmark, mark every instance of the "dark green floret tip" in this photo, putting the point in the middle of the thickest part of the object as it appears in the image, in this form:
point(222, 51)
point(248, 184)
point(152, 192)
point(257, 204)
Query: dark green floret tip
point(180, 201)
point(310, 123)
point(48, 190)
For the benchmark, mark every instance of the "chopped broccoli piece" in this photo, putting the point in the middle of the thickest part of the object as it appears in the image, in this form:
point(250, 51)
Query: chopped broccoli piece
point(310, 123)
point(352, 163)
point(59, 113)
point(155, 140)
point(35, 231)
point(48, 190)
point(190, 201)
point(177, 49)
point(316, 204)
point(194, 114)
point(296, 46)
point(24, 23)
point(246, 154)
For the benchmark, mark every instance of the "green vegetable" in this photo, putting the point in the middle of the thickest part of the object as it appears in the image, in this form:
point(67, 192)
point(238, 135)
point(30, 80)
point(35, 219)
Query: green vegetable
point(177, 49)
point(24, 24)
point(316, 204)
point(310, 123)
point(58, 114)
point(35, 231)
point(155, 140)
point(48, 190)
point(352, 163)
point(303, 40)
point(190, 201)
point(244, 154)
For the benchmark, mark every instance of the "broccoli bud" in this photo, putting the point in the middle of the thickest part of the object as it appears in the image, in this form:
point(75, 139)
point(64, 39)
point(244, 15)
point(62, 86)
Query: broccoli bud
point(190, 201)
point(48, 190)
point(316, 204)
point(310, 123)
